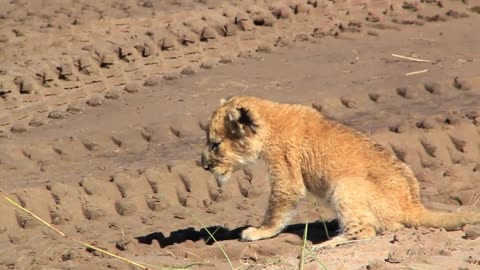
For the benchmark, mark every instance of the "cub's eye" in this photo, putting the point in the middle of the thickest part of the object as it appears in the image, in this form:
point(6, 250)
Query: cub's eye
point(214, 146)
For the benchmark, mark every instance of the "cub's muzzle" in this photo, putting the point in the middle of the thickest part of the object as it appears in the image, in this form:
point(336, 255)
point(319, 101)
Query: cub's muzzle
point(206, 164)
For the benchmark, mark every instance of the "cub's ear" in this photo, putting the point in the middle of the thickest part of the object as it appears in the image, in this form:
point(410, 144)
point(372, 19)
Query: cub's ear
point(224, 100)
point(240, 122)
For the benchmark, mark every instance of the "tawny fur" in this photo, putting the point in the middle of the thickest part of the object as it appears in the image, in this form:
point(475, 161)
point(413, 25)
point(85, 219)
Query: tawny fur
point(370, 189)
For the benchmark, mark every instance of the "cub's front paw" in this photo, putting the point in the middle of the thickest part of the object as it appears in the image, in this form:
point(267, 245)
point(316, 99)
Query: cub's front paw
point(253, 234)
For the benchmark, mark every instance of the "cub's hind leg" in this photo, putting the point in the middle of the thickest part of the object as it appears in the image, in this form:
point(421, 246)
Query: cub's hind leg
point(287, 191)
point(350, 199)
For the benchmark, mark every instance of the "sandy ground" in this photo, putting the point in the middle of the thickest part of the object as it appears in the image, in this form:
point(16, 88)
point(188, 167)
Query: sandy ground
point(102, 108)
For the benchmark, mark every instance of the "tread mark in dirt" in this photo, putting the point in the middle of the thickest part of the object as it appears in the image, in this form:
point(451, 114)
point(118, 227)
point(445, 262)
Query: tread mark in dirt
point(166, 46)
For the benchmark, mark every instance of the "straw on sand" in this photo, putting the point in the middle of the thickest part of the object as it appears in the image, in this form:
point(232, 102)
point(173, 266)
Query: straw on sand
point(416, 72)
point(411, 58)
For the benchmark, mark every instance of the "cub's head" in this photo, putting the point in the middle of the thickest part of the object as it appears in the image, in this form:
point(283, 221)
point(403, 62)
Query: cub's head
point(233, 139)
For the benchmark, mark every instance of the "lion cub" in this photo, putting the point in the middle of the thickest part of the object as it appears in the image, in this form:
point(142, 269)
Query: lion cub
point(370, 189)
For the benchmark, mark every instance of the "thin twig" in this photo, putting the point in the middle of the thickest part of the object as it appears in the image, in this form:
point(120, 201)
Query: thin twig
point(411, 58)
point(339, 242)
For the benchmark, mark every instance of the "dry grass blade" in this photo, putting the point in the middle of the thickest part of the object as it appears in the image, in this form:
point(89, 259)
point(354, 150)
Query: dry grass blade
point(212, 237)
point(411, 58)
point(33, 215)
point(316, 259)
point(306, 248)
point(213, 233)
point(325, 228)
point(143, 266)
point(108, 253)
point(302, 253)
point(71, 238)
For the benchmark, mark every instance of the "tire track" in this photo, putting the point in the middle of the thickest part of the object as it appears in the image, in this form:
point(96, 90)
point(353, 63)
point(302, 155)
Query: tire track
point(89, 62)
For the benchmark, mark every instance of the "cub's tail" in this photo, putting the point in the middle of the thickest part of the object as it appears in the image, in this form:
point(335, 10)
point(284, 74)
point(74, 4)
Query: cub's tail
point(446, 220)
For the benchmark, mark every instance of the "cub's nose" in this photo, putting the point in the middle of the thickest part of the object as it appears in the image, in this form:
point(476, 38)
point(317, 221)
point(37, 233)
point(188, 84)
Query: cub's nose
point(206, 164)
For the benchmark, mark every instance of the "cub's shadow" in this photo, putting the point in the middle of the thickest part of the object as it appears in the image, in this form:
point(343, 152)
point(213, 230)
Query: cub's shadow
point(317, 232)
